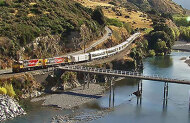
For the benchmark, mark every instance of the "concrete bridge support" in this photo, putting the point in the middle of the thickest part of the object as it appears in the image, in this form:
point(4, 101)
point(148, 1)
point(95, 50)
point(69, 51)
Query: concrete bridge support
point(139, 93)
point(165, 100)
point(111, 81)
point(88, 78)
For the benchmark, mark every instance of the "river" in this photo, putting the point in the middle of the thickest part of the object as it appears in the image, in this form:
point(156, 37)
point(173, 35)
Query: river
point(126, 108)
point(184, 3)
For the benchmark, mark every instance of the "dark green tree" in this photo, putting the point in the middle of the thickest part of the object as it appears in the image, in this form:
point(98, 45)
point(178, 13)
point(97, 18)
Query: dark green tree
point(99, 16)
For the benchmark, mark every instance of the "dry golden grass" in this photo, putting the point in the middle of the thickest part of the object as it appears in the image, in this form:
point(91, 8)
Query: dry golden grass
point(136, 18)
point(46, 12)
point(32, 3)
point(88, 3)
point(31, 15)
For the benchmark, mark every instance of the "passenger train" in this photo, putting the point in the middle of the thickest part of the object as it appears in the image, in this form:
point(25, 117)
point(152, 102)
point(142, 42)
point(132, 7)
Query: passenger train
point(32, 64)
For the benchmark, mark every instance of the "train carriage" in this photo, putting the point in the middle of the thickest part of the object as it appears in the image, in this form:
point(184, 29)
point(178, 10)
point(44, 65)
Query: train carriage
point(56, 61)
point(98, 54)
point(79, 58)
point(112, 50)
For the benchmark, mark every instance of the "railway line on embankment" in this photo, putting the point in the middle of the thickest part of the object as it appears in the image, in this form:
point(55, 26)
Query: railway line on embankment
point(7, 74)
point(106, 36)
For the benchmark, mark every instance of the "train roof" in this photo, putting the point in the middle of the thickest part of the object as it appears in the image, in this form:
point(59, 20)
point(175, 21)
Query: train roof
point(79, 54)
point(98, 51)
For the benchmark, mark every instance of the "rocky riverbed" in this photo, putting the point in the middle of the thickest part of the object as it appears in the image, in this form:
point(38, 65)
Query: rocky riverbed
point(72, 98)
point(80, 117)
point(9, 108)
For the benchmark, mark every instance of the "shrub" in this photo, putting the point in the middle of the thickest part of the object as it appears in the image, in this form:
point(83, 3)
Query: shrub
point(3, 90)
point(2, 2)
point(128, 27)
point(152, 53)
point(114, 22)
point(10, 90)
point(98, 16)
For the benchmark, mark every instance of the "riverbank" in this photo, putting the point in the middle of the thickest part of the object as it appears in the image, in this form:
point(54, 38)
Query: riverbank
point(81, 117)
point(9, 108)
point(182, 46)
point(73, 98)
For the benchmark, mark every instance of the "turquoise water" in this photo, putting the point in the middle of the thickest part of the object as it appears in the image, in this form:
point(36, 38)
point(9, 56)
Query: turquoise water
point(126, 108)
point(151, 109)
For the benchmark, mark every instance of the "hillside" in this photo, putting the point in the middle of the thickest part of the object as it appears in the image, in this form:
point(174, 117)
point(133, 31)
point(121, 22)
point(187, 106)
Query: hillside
point(163, 6)
point(136, 19)
point(41, 29)
point(166, 6)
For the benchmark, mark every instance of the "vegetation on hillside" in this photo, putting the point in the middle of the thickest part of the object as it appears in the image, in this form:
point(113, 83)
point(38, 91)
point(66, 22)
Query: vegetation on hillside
point(118, 23)
point(183, 22)
point(7, 88)
point(163, 6)
point(22, 21)
point(185, 33)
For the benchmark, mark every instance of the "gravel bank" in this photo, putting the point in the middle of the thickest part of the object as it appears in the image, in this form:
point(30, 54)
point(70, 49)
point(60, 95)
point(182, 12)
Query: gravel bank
point(80, 117)
point(72, 98)
point(182, 46)
point(9, 108)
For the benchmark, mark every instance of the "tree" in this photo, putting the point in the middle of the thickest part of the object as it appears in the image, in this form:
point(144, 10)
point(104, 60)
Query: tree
point(152, 53)
point(161, 46)
point(99, 16)
point(85, 35)
point(154, 36)
point(166, 29)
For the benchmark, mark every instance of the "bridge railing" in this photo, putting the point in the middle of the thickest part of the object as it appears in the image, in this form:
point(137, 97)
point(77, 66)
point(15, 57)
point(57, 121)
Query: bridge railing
point(119, 72)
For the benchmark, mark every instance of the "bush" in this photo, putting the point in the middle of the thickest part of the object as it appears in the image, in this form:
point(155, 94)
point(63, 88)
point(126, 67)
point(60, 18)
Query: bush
point(181, 21)
point(2, 2)
point(152, 53)
point(10, 90)
point(114, 22)
point(98, 16)
point(3, 90)
point(128, 27)
point(185, 33)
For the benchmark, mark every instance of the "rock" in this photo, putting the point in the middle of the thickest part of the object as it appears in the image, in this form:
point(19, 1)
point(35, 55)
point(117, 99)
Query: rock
point(9, 108)
point(53, 89)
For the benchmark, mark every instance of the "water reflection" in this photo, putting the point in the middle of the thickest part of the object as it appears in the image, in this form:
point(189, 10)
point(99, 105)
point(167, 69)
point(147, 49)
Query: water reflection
point(161, 61)
point(152, 107)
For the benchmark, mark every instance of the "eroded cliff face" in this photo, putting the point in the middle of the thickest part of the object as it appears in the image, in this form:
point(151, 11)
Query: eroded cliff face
point(165, 6)
point(25, 85)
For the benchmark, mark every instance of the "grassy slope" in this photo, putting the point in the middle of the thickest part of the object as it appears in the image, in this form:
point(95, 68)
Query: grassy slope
point(165, 6)
point(22, 21)
point(111, 11)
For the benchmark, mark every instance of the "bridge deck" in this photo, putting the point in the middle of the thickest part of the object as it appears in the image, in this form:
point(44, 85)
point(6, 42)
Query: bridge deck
point(120, 73)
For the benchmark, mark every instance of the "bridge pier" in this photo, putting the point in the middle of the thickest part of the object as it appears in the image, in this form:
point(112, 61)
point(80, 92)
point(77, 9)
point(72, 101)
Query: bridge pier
point(165, 100)
point(138, 93)
point(86, 80)
point(110, 80)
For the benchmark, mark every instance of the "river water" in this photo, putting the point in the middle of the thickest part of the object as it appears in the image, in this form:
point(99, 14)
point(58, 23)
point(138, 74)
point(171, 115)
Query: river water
point(126, 108)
